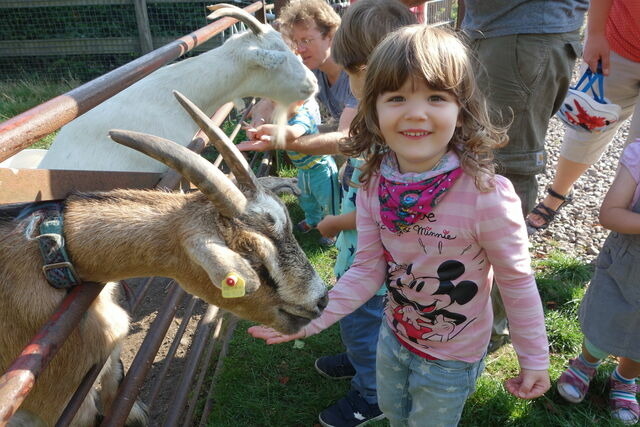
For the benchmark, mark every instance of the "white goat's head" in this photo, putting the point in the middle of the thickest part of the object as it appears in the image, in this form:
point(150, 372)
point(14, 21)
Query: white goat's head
point(273, 54)
point(243, 228)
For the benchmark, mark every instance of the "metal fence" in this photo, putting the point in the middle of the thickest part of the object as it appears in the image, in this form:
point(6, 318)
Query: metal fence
point(83, 39)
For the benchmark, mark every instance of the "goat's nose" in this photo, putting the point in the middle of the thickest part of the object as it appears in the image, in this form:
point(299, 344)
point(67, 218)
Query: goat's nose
point(322, 303)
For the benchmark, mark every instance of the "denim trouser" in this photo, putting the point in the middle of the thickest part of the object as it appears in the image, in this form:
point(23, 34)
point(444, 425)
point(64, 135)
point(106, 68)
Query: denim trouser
point(414, 391)
point(360, 332)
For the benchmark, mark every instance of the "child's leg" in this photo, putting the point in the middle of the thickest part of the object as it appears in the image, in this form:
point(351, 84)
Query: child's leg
point(622, 396)
point(308, 203)
point(325, 189)
point(413, 391)
point(439, 390)
point(360, 332)
point(392, 377)
point(573, 384)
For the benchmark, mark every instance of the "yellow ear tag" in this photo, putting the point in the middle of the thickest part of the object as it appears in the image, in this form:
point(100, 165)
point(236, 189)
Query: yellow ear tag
point(232, 286)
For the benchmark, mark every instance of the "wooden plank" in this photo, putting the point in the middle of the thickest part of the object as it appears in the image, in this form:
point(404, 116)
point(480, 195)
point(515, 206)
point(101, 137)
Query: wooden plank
point(28, 185)
point(144, 31)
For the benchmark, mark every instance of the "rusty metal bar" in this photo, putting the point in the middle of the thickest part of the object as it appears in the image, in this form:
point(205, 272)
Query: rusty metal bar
point(191, 365)
point(24, 129)
point(153, 393)
point(231, 326)
point(19, 379)
point(132, 382)
point(204, 369)
point(78, 397)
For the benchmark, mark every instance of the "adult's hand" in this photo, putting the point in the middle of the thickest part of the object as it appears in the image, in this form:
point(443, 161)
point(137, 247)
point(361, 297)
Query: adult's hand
point(597, 48)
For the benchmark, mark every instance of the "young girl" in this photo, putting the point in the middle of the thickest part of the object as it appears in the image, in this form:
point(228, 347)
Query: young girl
point(434, 224)
point(610, 310)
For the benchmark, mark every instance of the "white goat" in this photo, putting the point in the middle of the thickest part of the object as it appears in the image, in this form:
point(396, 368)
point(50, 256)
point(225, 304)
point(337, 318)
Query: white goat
point(253, 63)
point(197, 238)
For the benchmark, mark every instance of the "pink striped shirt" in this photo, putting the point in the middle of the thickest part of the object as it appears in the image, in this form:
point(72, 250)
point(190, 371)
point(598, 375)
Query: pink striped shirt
point(439, 275)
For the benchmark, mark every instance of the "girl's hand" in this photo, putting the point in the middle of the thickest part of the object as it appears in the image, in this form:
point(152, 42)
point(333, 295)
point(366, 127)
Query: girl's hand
point(271, 336)
point(529, 384)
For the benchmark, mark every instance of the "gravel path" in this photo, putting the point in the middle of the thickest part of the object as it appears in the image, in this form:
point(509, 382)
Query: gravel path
point(576, 231)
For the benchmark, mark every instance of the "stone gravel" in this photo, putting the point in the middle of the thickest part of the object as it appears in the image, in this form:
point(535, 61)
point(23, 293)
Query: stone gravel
point(576, 230)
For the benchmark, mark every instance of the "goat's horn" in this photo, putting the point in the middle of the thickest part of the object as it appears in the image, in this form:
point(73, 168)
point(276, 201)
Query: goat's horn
point(227, 198)
point(235, 160)
point(223, 9)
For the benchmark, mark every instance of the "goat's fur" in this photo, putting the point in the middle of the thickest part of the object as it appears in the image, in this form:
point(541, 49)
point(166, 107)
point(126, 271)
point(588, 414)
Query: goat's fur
point(247, 64)
point(195, 238)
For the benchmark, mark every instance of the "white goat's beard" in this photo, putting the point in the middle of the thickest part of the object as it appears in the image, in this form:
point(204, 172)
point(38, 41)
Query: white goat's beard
point(280, 120)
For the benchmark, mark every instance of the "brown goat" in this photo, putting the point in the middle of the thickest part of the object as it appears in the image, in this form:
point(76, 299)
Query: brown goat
point(196, 238)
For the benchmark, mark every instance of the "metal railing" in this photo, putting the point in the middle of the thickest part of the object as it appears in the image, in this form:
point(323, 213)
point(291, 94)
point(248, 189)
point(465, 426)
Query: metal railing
point(20, 132)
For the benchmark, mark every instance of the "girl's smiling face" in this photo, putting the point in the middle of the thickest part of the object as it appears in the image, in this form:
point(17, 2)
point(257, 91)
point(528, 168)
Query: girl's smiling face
point(417, 123)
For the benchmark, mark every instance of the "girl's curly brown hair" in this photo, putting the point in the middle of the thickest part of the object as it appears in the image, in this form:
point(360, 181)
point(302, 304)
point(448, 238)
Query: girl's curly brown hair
point(440, 59)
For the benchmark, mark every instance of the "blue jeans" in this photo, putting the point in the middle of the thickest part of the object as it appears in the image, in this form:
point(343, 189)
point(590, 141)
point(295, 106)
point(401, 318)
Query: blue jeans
point(360, 332)
point(414, 391)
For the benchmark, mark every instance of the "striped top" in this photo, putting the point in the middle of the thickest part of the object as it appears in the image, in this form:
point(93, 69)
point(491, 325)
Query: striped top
point(439, 275)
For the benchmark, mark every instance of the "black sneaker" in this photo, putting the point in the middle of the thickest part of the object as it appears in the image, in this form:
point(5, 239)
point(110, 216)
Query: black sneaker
point(352, 410)
point(335, 367)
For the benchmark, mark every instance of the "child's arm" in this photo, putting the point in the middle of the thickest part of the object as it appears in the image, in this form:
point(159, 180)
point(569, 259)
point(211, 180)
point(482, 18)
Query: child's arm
point(358, 284)
point(265, 134)
point(615, 213)
point(331, 225)
point(502, 234)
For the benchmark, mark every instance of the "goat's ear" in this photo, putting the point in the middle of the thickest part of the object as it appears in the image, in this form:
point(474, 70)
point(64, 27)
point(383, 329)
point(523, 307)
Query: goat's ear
point(220, 262)
point(269, 59)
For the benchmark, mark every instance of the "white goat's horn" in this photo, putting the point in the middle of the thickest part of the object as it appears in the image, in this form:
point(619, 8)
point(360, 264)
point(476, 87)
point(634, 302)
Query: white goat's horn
point(234, 158)
point(223, 9)
point(225, 196)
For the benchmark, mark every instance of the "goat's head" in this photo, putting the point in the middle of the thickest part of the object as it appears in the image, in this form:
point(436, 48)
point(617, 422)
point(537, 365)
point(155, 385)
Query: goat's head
point(244, 228)
point(289, 79)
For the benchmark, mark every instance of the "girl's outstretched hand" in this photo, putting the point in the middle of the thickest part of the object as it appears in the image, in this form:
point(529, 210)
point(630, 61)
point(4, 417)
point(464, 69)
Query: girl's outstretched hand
point(529, 384)
point(271, 336)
